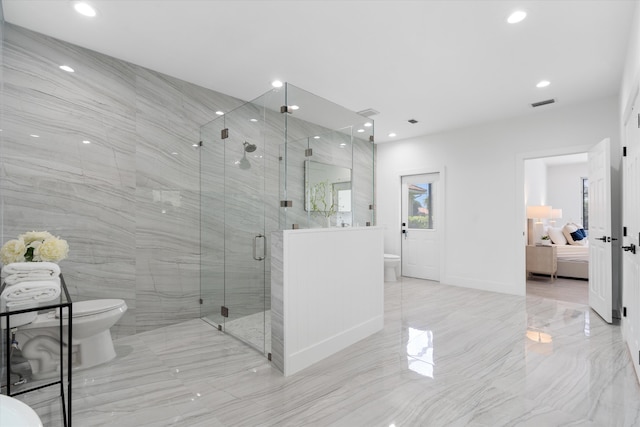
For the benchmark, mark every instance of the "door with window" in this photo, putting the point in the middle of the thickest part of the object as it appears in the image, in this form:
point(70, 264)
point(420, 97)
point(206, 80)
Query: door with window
point(421, 224)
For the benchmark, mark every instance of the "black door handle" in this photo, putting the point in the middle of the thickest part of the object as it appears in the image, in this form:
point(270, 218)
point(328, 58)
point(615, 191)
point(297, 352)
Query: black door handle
point(604, 239)
point(631, 248)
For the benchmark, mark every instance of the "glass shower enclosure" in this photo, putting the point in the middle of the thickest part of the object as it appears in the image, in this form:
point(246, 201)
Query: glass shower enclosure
point(288, 159)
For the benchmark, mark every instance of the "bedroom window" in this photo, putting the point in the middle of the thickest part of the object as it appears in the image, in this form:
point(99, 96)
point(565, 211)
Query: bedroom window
point(585, 203)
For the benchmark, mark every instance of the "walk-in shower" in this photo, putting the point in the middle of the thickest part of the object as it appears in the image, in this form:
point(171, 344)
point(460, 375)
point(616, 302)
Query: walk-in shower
point(254, 169)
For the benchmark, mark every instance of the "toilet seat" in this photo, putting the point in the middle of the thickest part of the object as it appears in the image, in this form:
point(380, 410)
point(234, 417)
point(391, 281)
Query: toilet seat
point(89, 308)
point(82, 311)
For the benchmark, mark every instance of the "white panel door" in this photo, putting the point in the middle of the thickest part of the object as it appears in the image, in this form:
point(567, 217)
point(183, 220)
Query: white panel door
point(600, 282)
point(631, 220)
point(421, 223)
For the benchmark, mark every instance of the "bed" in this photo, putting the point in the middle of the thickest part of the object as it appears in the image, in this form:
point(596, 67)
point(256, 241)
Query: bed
point(573, 261)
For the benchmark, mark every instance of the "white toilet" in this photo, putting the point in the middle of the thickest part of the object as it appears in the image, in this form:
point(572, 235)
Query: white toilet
point(391, 266)
point(16, 413)
point(91, 338)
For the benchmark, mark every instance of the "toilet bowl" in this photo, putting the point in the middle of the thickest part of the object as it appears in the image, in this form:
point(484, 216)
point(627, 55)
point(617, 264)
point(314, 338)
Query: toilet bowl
point(91, 340)
point(391, 266)
point(16, 413)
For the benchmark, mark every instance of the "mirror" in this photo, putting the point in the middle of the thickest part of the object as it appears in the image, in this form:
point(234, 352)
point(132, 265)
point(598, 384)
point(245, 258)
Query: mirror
point(327, 188)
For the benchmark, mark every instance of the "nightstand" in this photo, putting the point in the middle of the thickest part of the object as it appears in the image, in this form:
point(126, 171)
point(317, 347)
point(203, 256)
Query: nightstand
point(542, 260)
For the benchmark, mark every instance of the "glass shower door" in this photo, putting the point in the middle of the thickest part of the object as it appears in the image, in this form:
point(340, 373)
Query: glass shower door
point(245, 242)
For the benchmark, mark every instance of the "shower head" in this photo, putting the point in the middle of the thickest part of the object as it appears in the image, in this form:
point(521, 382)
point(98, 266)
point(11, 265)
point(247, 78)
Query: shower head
point(249, 148)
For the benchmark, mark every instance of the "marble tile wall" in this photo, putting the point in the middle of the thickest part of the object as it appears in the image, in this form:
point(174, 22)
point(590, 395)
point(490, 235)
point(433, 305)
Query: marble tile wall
point(128, 202)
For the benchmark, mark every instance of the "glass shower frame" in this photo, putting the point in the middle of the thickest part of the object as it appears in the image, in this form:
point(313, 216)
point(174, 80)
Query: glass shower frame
point(246, 195)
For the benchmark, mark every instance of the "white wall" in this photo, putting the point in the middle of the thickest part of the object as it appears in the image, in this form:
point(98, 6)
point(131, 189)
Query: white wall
point(564, 190)
point(483, 240)
point(535, 182)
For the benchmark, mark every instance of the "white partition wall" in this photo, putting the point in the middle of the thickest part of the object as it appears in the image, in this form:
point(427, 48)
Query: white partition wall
point(327, 292)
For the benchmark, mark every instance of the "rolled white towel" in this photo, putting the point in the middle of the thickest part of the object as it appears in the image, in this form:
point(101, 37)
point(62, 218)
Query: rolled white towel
point(32, 276)
point(27, 267)
point(25, 294)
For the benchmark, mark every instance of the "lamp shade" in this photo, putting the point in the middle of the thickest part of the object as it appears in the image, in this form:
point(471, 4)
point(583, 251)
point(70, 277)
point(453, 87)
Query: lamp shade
point(539, 211)
point(556, 213)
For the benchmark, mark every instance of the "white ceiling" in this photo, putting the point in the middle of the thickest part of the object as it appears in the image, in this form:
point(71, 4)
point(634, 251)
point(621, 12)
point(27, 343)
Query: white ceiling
point(447, 64)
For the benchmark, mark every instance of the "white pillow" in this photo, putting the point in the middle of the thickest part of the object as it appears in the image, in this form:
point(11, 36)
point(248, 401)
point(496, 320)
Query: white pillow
point(555, 233)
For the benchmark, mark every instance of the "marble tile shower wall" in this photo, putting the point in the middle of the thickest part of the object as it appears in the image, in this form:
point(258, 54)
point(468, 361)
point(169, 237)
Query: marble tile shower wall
point(128, 202)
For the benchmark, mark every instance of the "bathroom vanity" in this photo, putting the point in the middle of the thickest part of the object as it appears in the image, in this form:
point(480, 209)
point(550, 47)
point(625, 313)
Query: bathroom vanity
point(327, 292)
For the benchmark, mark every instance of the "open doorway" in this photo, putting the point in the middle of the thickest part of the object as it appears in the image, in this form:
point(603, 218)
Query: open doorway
point(557, 252)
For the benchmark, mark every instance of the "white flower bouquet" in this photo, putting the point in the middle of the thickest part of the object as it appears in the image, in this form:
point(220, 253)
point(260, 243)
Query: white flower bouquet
point(34, 246)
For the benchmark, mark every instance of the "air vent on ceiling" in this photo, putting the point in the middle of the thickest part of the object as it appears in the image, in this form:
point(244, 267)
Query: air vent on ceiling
point(368, 112)
point(545, 102)
point(412, 121)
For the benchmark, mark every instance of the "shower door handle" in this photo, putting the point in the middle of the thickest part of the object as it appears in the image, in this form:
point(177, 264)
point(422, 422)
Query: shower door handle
point(255, 247)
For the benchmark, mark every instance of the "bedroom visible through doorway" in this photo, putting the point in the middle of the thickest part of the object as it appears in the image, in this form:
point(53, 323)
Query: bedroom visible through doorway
point(560, 182)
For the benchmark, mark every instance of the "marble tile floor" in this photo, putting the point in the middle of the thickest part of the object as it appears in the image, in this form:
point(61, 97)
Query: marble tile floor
point(447, 356)
point(571, 290)
point(254, 329)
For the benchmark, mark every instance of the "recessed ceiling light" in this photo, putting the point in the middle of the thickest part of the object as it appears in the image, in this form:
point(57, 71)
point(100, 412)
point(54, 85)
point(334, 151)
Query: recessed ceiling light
point(343, 144)
point(220, 113)
point(368, 124)
point(543, 83)
point(253, 120)
point(174, 153)
point(194, 145)
point(392, 134)
point(34, 135)
point(360, 130)
point(86, 141)
point(516, 16)
point(84, 9)
point(295, 107)
point(276, 83)
point(67, 68)
point(316, 137)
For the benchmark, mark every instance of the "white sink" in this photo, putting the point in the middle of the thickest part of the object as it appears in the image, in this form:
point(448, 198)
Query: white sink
point(15, 413)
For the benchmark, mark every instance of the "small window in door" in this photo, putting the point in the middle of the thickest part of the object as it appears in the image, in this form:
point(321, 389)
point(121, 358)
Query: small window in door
point(420, 207)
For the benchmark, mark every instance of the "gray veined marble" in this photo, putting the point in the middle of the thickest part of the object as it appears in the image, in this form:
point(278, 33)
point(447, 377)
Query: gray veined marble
point(141, 207)
point(446, 357)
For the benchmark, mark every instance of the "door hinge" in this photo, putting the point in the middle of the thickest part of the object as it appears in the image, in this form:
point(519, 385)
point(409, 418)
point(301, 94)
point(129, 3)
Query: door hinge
point(224, 311)
point(371, 138)
point(308, 152)
point(286, 109)
point(224, 133)
point(624, 151)
point(269, 357)
point(200, 144)
point(624, 231)
point(201, 301)
point(624, 311)
point(286, 203)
